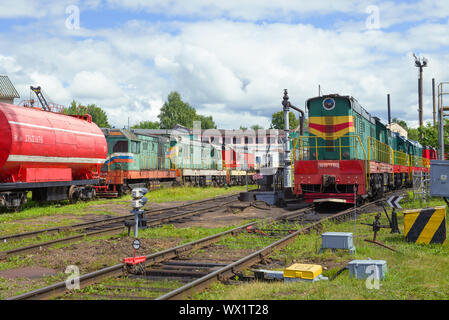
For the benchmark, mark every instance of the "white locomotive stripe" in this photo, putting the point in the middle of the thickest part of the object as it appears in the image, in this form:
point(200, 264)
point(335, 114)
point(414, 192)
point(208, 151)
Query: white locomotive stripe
point(55, 129)
point(24, 158)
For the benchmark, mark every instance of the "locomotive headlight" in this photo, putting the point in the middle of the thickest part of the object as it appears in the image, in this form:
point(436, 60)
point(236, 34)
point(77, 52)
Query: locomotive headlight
point(328, 103)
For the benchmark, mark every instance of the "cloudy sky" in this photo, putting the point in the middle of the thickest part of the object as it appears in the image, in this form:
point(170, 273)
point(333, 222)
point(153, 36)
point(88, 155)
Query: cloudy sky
point(229, 59)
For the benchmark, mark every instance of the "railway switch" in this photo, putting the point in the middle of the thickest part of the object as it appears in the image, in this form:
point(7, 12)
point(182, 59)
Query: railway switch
point(135, 264)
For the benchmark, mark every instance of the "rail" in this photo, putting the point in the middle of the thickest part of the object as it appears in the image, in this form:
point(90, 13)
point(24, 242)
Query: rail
point(230, 270)
point(60, 288)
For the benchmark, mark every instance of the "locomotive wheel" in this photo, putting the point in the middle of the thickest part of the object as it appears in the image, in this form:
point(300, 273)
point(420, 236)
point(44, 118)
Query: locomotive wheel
point(73, 195)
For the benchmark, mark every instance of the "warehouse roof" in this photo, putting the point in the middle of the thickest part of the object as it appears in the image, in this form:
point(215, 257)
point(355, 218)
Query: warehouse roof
point(7, 89)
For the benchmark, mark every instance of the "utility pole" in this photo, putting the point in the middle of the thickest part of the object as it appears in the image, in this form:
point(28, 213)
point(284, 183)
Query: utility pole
point(420, 63)
point(389, 109)
point(434, 103)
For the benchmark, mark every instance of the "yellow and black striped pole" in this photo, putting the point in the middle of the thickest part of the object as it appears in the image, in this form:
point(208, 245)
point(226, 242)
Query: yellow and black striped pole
point(426, 225)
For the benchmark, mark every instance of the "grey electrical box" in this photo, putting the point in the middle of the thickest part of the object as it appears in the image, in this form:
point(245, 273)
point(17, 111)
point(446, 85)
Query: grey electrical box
point(362, 269)
point(439, 178)
point(337, 240)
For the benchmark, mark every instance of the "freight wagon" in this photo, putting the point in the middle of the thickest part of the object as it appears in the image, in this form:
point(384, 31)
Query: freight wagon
point(139, 158)
point(55, 156)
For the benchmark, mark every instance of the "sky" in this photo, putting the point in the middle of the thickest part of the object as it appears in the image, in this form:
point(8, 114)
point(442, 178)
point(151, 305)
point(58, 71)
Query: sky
point(229, 59)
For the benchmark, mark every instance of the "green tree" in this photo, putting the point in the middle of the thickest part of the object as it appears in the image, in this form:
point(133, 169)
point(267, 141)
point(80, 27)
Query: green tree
point(99, 117)
point(277, 120)
point(256, 127)
point(413, 134)
point(206, 122)
point(146, 125)
point(175, 111)
point(428, 135)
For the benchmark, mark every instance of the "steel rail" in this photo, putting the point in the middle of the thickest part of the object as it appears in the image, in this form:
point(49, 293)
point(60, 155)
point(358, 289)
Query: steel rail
point(60, 288)
point(110, 230)
point(230, 270)
point(91, 224)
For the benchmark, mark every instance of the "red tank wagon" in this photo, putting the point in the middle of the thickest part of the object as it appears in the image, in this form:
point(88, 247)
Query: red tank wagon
point(55, 156)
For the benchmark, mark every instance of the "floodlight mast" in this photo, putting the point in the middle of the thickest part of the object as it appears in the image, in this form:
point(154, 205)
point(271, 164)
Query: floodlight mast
point(420, 63)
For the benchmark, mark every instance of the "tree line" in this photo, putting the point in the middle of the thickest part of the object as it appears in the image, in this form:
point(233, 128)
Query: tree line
point(174, 111)
point(426, 135)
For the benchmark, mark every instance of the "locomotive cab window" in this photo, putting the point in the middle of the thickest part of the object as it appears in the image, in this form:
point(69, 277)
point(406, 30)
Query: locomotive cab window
point(120, 146)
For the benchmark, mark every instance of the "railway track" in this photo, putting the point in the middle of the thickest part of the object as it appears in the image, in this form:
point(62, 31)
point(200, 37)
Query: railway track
point(115, 225)
point(195, 275)
point(151, 260)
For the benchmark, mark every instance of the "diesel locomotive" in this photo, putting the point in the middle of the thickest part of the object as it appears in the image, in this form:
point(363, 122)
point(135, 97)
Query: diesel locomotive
point(139, 158)
point(348, 155)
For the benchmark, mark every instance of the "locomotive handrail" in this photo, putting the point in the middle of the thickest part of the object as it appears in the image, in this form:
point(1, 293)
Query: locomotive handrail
point(381, 151)
point(303, 149)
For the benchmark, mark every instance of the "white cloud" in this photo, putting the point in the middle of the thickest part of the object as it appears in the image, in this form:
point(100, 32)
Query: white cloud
point(94, 85)
point(247, 10)
point(234, 71)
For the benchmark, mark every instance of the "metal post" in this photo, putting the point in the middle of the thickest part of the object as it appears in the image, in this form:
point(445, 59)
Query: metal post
point(441, 121)
point(394, 222)
point(136, 220)
point(389, 109)
point(434, 103)
point(420, 97)
point(287, 180)
point(420, 63)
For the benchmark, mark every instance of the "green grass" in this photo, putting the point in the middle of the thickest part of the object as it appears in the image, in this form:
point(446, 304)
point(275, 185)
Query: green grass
point(191, 193)
point(50, 209)
point(417, 202)
point(133, 288)
point(12, 222)
point(185, 234)
point(418, 272)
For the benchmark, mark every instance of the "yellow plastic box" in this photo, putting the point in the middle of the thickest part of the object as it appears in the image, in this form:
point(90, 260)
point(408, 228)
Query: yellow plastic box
point(303, 271)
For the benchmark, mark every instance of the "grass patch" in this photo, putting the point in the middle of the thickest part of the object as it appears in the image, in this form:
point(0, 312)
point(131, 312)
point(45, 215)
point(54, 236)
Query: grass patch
point(122, 287)
point(418, 272)
point(191, 193)
point(185, 234)
point(12, 222)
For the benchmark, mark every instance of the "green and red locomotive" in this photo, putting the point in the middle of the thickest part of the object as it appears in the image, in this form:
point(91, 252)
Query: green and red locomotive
point(349, 155)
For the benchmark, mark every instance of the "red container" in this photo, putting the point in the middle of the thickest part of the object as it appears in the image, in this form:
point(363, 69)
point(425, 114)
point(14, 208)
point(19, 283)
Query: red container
point(42, 146)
